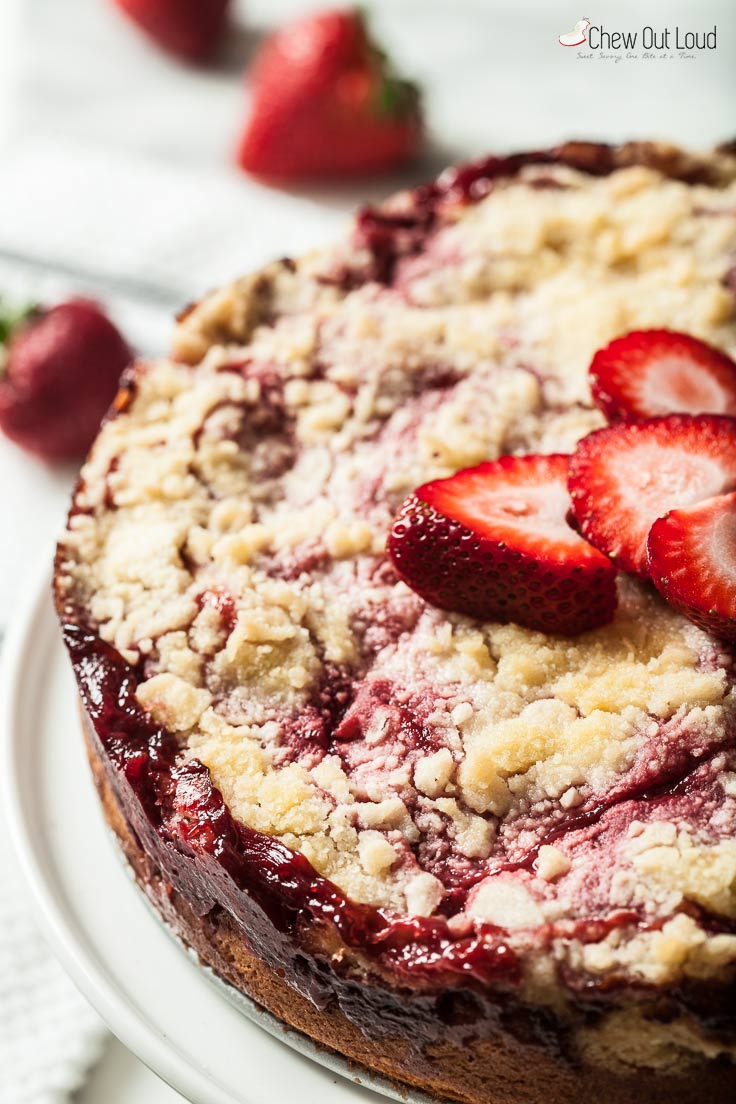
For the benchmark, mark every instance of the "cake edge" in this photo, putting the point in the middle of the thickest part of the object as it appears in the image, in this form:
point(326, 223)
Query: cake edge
point(493, 1071)
point(229, 314)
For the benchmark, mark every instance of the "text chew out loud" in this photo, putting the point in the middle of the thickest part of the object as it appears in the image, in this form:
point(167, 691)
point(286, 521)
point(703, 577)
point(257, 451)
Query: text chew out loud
point(667, 38)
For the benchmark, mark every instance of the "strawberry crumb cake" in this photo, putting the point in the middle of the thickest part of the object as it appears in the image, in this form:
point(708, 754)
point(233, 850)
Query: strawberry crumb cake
point(402, 605)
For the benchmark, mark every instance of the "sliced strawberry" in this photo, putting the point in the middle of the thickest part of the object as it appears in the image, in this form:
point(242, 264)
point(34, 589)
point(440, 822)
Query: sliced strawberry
point(692, 560)
point(649, 373)
point(493, 542)
point(624, 477)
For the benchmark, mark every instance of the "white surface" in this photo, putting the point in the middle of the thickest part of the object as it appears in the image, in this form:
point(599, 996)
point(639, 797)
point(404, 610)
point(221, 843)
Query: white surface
point(141, 982)
point(49, 1036)
point(119, 1078)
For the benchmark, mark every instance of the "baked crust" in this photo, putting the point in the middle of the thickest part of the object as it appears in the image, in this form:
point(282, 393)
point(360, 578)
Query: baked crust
point(461, 1017)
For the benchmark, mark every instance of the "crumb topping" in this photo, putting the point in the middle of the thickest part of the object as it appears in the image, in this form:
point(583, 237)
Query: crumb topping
point(228, 539)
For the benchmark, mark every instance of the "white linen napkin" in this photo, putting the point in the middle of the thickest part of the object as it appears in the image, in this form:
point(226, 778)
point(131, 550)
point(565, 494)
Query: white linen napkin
point(49, 1035)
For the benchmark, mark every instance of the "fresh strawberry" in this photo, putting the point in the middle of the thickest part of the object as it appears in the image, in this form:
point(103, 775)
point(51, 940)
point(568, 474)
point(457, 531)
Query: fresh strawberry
point(326, 102)
point(188, 28)
point(622, 478)
point(493, 542)
point(692, 560)
point(59, 372)
point(649, 373)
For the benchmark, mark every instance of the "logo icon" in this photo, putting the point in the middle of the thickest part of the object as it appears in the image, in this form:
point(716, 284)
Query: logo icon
point(575, 37)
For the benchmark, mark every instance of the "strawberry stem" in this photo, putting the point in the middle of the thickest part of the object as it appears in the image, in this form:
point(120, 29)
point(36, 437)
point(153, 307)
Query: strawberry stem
point(395, 98)
point(11, 320)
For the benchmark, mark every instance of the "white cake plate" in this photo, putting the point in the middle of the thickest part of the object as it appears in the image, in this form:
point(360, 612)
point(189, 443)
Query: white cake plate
point(206, 1040)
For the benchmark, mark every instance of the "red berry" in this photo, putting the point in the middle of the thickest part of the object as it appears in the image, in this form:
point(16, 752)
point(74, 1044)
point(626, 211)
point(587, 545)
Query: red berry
point(188, 28)
point(493, 542)
point(624, 477)
point(692, 560)
point(60, 375)
point(649, 373)
point(326, 102)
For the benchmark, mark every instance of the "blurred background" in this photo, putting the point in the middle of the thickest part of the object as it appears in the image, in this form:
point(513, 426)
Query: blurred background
point(119, 180)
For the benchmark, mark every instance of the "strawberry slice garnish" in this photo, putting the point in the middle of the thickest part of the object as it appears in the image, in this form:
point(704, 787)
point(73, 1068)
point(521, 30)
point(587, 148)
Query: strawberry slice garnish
point(622, 478)
point(649, 373)
point(493, 542)
point(692, 560)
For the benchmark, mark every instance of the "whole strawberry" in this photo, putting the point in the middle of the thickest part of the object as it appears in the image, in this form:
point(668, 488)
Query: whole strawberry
point(326, 102)
point(188, 28)
point(59, 371)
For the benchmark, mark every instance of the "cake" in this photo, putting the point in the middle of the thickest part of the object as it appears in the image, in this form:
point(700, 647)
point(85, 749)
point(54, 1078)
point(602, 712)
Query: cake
point(491, 862)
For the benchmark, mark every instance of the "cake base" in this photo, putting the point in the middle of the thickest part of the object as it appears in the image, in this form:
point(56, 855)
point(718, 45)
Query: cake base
point(485, 1071)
